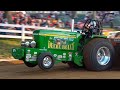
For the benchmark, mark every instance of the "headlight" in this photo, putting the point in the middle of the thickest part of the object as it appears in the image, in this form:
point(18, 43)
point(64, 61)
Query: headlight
point(23, 43)
point(27, 44)
point(33, 44)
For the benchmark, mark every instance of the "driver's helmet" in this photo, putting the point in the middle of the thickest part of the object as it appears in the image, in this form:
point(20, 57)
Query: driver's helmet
point(92, 24)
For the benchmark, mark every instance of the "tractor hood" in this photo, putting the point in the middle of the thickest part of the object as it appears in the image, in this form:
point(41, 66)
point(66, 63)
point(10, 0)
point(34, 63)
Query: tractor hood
point(53, 33)
point(43, 37)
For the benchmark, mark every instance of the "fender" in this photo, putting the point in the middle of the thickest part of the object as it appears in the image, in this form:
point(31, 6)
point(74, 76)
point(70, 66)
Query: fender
point(98, 36)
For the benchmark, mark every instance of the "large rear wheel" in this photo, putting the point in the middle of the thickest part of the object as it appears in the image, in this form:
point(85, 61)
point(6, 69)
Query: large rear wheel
point(98, 54)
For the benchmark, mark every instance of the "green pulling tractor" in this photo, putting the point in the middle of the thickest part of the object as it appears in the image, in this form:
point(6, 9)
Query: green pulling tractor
point(86, 48)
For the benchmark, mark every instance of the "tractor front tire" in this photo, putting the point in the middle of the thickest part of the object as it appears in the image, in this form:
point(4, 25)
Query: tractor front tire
point(45, 61)
point(98, 55)
point(29, 64)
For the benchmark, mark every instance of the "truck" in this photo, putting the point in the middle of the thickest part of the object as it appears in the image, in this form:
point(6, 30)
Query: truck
point(86, 48)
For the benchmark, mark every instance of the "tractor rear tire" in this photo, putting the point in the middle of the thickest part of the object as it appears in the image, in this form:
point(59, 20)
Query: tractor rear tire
point(98, 55)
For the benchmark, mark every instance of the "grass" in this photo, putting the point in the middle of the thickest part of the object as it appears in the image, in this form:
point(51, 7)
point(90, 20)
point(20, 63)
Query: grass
point(6, 45)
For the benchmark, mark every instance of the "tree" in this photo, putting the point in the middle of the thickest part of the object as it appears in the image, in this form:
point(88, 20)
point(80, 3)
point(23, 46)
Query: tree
point(8, 15)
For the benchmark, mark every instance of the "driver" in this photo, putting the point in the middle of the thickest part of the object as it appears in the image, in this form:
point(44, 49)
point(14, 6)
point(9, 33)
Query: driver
point(92, 26)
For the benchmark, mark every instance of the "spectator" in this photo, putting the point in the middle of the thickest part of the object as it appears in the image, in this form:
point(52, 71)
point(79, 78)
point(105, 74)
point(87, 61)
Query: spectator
point(32, 23)
point(17, 22)
point(60, 24)
point(21, 15)
point(29, 19)
point(49, 23)
point(55, 22)
point(1, 20)
point(44, 23)
point(25, 21)
point(17, 15)
point(39, 22)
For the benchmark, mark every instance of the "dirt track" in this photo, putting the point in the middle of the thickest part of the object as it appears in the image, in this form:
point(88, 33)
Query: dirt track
point(17, 70)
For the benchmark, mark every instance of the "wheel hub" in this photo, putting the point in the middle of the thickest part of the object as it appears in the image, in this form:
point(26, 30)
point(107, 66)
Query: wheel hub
point(47, 61)
point(103, 56)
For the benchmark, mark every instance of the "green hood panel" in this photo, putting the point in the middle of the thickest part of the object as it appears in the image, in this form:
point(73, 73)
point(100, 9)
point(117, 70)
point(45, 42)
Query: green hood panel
point(54, 33)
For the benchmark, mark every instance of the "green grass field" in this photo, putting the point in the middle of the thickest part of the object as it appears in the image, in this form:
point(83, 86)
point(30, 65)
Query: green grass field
point(6, 45)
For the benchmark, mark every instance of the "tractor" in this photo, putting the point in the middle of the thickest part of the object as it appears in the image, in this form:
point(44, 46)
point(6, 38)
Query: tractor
point(86, 48)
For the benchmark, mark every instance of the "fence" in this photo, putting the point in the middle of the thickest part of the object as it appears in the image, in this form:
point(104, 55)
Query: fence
point(23, 31)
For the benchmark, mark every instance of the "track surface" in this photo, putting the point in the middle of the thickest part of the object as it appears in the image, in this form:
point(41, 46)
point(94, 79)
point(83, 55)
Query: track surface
point(17, 70)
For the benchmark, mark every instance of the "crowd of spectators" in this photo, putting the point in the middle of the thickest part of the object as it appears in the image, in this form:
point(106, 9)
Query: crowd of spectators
point(19, 18)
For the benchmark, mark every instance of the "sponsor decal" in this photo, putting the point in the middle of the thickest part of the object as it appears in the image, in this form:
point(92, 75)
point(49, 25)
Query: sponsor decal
point(28, 56)
point(58, 45)
point(28, 51)
point(64, 56)
point(64, 53)
point(76, 53)
point(55, 55)
point(59, 57)
point(70, 56)
point(35, 52)
point(71, 39)
point(44, 49)
point(33, 58)
point(50, 38)
point(14, 50)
